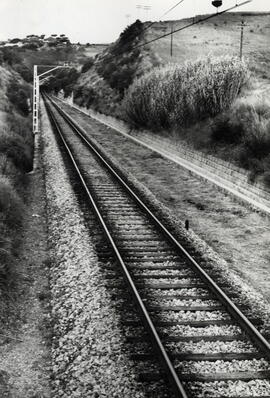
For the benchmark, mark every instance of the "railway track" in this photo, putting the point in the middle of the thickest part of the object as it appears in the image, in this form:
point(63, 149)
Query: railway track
point(202, 339)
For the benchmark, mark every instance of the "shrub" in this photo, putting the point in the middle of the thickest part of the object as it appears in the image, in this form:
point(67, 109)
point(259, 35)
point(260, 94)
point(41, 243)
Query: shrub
point(15, 148)
point(18, 95)
point(227, 130)
point(247, 127)
point(119, 65)
point(181, 95)
point(11, 206)
point(87, 65)
point(64, 79)
point(25, 72)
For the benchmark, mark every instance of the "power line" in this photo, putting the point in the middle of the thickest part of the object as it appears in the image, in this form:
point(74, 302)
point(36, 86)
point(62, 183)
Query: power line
point(184, 27)
point(163, 15)
point(172, 8)
point(193, 23)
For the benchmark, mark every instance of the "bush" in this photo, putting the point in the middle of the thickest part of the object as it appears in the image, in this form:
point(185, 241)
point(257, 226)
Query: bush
point(64, 79)
point(16, 149)
point(180, 96)
point(18, 95)
point(87, 65)
point(226, 130)
point(120, 64)
point(11, 206)
point(25, 72)
point(247, 127)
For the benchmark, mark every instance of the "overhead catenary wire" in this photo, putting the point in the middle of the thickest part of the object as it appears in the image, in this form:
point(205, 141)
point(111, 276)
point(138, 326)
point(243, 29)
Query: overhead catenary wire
point(194, 23)
point(182, 28)
point(163, 15)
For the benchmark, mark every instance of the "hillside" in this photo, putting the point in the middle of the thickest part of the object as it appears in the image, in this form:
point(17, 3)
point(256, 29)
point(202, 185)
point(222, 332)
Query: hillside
point(16, 151)
point(217, 36)
point(103, 84)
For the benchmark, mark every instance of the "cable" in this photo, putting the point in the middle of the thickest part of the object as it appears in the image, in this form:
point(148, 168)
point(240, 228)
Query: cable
point(183, 27)
point(163, 15)
point(172, 8)
point(193, 23)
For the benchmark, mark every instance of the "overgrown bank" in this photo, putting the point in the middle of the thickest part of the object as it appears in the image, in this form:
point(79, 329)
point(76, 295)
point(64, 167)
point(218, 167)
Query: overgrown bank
point(16, 153)
point(204, 104)
point(200, 102)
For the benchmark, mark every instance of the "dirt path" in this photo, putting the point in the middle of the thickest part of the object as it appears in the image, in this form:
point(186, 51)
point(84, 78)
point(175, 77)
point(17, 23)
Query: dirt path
point(25, 353)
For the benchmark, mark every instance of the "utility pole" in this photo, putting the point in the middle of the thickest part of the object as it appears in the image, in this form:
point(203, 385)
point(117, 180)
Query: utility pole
point(139, 7)
point(242, 39)
point(147, 8)
point(172, 40)
point(128, 17)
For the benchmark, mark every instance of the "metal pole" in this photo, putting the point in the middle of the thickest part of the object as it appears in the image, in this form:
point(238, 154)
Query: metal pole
point(35, 100)
point(36, 84)
point(172, 40)
point(242, 39)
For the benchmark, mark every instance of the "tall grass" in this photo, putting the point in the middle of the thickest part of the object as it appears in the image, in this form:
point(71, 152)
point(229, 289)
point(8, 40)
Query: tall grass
point(181, 95)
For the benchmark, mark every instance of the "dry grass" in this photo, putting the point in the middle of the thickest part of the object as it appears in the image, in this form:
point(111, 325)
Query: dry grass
point(180, 96)
point(217, 37)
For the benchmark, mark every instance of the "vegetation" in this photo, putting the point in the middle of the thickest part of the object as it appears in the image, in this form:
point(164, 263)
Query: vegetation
point(119, 65)
point(16, 153)
point(87, 65)
point(18, 94)
point(181, 95)
point(63, 79)
point(246, 130)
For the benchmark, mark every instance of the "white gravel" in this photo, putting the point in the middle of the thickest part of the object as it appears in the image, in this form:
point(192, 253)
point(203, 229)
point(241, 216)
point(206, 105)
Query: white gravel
point(212, 330)
point(88, 351)
point(186, 303)
point(222, 366)
point(147, 272)
point(172, 281)
point(167, 292)
point(191, 316)
point(211, 347)
point(254, 388)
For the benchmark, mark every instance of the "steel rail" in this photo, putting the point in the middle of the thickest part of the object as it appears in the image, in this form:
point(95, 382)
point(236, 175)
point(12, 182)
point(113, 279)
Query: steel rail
point(161, 351)
point(233, 310)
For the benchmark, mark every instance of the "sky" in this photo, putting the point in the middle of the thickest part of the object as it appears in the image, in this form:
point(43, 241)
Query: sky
point(96, 21)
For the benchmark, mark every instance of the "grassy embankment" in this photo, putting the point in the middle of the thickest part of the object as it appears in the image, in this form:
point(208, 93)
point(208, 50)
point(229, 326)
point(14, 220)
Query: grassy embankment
point(16, 152)
point(241, 132)
point(16, 141)
point(234, 125)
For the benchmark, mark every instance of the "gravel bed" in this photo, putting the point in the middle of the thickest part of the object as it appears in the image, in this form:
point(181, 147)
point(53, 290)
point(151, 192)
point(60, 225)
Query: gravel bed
point(147, 272)
point(167, 292)
point(88, 348)
point(172, 281)
point(177, 302)
point(190, 316)
point(204, 347)
point(220, 366)
point(254, 388)
point(212, 330)
point(201, 347)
